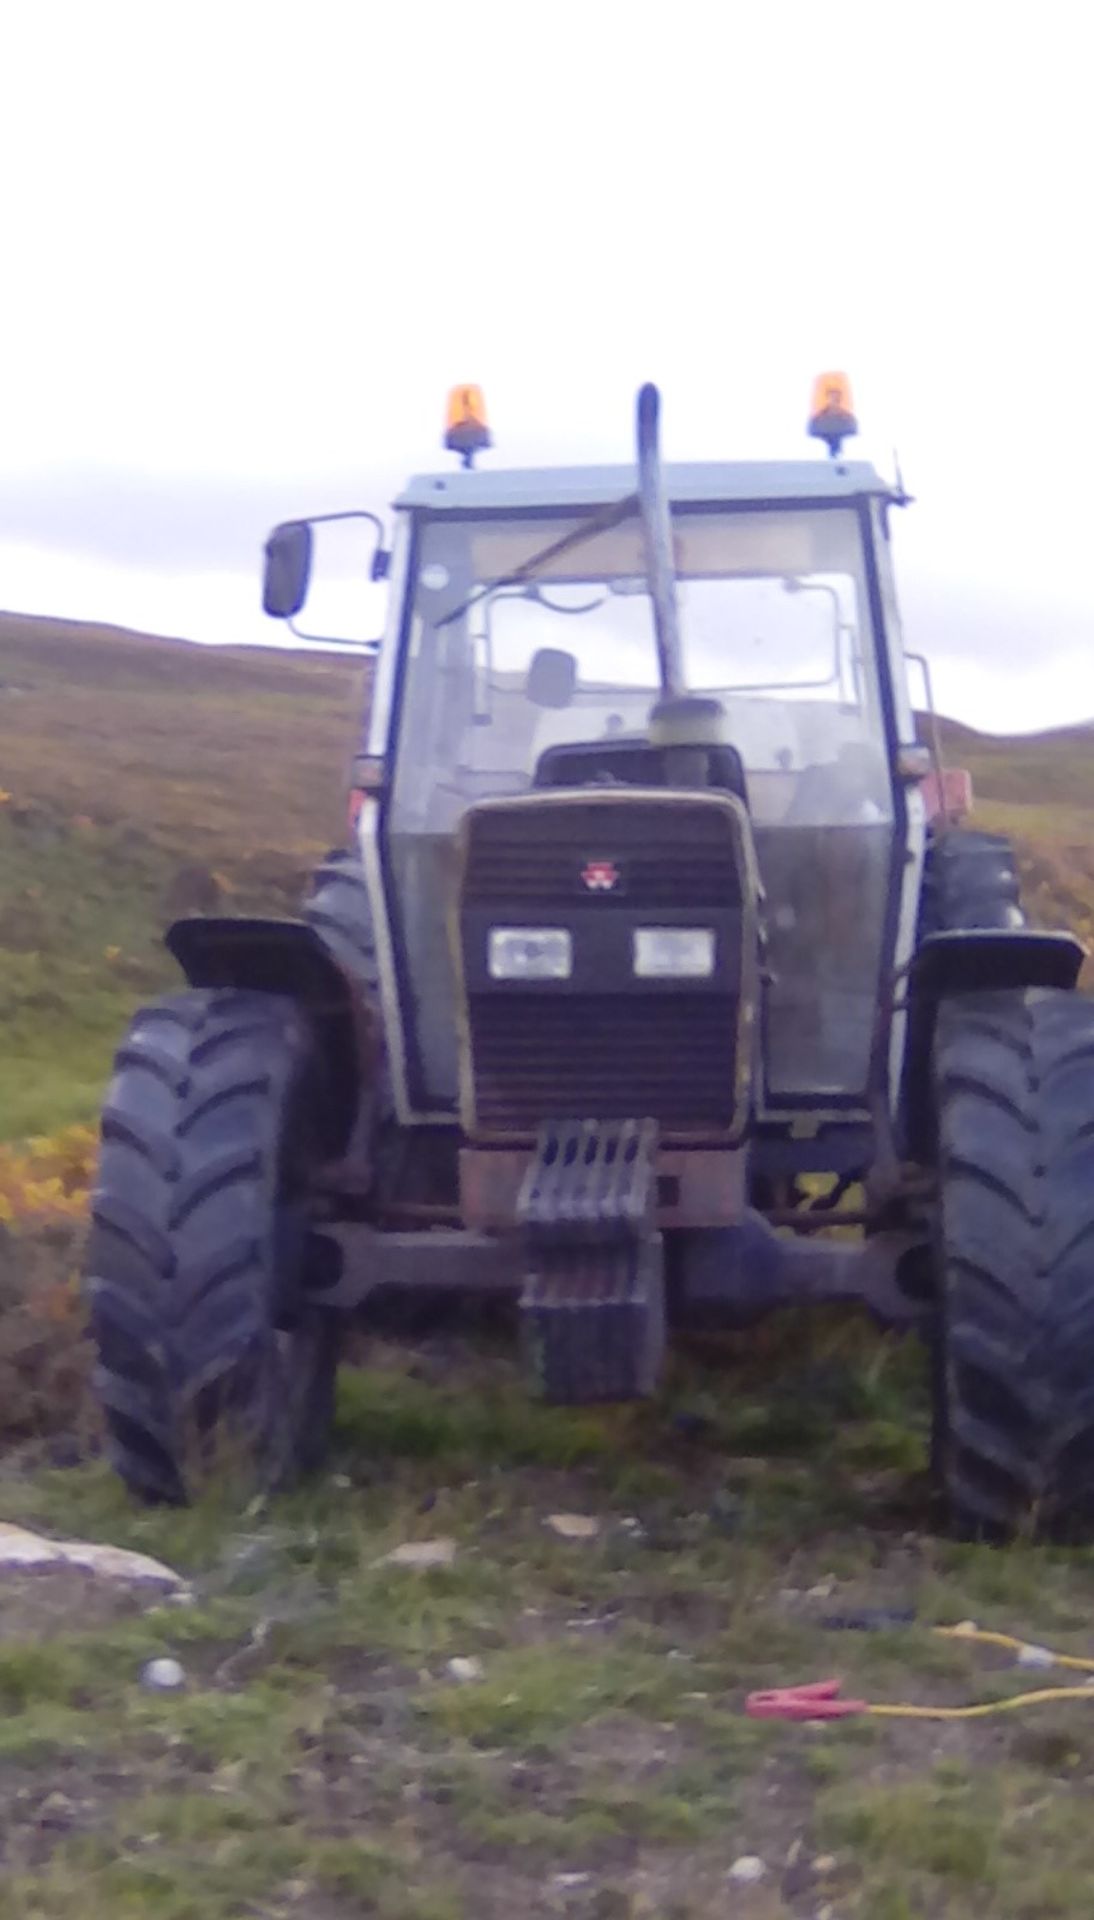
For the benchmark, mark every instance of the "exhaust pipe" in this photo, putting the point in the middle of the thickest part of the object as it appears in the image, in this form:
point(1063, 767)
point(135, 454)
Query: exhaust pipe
point(657, 533)
point(686, 725)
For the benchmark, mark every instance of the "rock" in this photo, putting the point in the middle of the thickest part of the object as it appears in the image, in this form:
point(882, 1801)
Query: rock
point(565, 1881)
point(824, 1864)
point(1031, 1656)
point(573, 1526)
point(56, 1810)
point(163, 1676)
point(465, 1670)
point(726, 1513)
point(746, 1871)
point(21, 1548)
point(421, 1554)
point(692, 1426)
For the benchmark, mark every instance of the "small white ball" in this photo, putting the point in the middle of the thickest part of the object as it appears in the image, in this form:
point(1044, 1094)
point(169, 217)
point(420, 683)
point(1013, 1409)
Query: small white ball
point(163, 1675)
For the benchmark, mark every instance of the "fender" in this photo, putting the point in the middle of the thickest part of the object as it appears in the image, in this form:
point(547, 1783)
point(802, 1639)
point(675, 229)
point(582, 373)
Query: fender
point(980, 960)
point(287, 957)
point(985, 960)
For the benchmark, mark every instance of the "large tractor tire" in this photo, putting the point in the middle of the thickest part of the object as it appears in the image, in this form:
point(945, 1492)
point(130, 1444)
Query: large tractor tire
point(338, 908)
point(1014, 1412)
point(970, 880)
point(208, 1355)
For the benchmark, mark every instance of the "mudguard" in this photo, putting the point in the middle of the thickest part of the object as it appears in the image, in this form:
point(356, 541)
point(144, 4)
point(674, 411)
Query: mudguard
point(287, 957)
point(981, 960)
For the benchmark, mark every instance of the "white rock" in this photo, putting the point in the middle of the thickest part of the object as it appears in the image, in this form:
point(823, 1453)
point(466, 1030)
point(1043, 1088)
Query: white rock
point(21, 1548)
point(566, 1880)
point(421, 1554)
point(163, 1676)
point(573, 1526)
point(747, 1870)
point(825, 1863)
point(1031, 1656)
point(465, 1670)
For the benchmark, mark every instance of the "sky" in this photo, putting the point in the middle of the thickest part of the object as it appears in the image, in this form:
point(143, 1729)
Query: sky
point(247, 246)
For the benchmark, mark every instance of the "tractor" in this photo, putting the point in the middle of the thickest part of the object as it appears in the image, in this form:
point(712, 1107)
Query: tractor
point(658, 987)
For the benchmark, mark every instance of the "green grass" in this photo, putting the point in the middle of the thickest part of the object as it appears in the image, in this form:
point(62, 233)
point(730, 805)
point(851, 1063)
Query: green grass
point(139, 778)
point(321, 1759)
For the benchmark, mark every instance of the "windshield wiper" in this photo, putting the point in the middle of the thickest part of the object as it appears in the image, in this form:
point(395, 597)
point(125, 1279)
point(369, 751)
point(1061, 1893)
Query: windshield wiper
point(600, 522)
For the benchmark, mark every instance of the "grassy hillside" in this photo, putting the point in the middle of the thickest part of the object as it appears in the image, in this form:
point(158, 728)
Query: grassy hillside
point(142, 778)
point(1039, 789)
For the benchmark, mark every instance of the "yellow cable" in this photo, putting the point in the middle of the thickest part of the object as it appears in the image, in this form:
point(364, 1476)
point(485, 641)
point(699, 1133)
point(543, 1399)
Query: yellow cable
point(1036, 1698)
point(1007, 1641)
point(980, 1637)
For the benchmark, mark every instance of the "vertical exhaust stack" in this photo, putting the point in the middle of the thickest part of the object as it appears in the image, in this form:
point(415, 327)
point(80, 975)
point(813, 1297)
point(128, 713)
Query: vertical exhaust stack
point(685, 724)
point(657, 533)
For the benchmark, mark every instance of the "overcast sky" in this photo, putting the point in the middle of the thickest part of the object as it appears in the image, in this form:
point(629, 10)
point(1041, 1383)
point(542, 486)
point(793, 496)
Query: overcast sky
point(247, 247)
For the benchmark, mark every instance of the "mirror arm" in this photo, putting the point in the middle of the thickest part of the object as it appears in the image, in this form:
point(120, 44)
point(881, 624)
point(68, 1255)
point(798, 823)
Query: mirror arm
point(333, 639)
point(380, 565)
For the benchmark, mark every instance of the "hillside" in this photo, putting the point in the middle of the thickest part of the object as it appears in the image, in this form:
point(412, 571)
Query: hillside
point(144, 777)
point(1039, 790)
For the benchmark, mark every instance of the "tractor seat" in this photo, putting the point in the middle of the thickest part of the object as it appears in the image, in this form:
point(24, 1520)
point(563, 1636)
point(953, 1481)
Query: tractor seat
point(630, 763)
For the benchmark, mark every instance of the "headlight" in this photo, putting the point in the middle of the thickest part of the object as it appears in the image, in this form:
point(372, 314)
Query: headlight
point(530, 953)
point(674, 953)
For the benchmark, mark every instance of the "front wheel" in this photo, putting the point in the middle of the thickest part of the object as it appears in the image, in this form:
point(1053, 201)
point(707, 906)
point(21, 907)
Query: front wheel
point(208, 1353)
point(1014, 1380)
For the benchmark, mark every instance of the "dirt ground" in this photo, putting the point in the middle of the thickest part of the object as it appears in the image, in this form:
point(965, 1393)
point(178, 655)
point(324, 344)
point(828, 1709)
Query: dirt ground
point(589, 1753)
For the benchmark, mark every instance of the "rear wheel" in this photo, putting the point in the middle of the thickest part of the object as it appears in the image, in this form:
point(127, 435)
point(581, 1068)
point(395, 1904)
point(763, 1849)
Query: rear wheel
point(970, 880)
point(338, 908)
point(207, 1351)
point(1014, 1388)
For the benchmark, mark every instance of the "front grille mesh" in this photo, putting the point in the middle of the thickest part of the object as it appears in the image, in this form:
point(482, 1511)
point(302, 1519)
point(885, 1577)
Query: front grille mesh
point(610, 1058)
point(668, 1056)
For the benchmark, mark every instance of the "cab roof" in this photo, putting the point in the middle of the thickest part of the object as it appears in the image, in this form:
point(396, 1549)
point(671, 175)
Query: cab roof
point(485, 489)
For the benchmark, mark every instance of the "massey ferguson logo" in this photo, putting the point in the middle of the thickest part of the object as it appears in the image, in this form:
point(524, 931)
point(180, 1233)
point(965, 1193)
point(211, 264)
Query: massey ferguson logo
point(600, 876)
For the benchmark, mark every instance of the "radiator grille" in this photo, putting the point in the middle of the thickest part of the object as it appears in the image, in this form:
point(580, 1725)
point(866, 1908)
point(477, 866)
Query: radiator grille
point(579, 1050)
point(578, 1057)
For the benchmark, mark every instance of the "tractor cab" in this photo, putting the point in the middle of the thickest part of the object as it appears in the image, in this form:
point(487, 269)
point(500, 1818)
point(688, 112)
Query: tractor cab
point(524, 661)
point(522, 664)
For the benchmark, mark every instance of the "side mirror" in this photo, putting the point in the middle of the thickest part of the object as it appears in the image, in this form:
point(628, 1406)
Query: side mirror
point(552, 678)
point(287, 569)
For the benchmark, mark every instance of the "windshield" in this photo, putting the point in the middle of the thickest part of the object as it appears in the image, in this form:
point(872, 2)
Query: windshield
point(774, 621)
